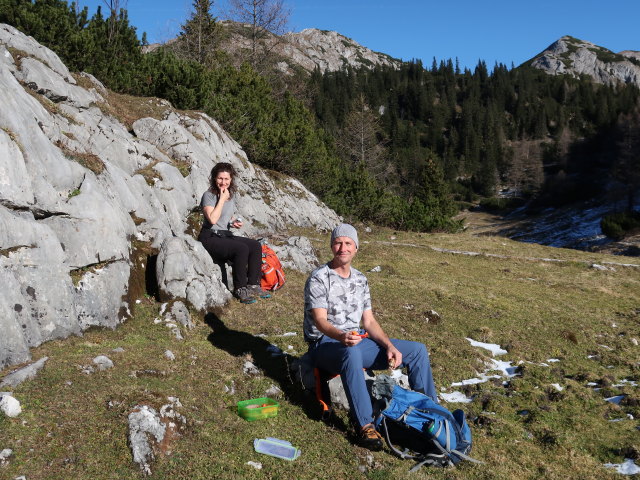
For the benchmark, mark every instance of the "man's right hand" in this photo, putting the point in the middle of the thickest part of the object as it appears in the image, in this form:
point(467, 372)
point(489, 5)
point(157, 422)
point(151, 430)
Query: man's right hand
point(350, 339)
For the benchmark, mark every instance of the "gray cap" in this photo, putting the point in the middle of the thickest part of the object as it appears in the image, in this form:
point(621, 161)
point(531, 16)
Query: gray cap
point(345, 230)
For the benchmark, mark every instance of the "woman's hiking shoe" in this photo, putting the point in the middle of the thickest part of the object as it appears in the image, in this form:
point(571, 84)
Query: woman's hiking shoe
point(370, 438)
point(257, 291)
point(244, 294)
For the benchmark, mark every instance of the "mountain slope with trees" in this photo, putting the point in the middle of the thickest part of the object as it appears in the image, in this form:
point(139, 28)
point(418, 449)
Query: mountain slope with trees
point(397, 145)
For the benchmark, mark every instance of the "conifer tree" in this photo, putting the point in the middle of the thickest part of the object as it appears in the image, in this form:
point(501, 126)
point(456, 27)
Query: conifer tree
point(200, 34)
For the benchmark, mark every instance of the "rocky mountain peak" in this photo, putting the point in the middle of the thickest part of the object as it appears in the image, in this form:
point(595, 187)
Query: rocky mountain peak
point(573, 56)
point(308, 49)
point(330, 51)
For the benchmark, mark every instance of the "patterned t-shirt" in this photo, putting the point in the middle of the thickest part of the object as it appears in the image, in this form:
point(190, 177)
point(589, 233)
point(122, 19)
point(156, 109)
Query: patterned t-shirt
point(345, 299)
point(211, 200)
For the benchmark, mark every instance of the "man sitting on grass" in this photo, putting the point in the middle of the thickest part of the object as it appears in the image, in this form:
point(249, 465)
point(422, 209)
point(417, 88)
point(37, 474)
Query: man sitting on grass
point(337, 300)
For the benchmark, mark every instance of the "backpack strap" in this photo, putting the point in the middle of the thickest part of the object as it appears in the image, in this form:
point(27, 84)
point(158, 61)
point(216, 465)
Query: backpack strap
point(448, 452)
point(392, 447)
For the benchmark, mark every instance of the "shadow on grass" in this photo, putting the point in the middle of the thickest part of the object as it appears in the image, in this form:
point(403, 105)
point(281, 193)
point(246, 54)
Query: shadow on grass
point(239, 343)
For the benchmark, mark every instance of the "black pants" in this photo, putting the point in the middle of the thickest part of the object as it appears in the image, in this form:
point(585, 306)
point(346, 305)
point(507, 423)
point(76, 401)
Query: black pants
point(244, 253)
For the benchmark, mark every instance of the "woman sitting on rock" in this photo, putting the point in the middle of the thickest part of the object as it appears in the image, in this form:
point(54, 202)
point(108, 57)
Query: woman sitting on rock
point(245, 255)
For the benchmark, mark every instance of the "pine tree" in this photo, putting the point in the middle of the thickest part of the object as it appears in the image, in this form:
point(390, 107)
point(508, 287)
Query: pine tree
point(200, 34)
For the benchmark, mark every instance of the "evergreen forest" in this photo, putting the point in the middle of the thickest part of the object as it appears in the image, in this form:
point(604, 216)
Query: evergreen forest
point(406, 147)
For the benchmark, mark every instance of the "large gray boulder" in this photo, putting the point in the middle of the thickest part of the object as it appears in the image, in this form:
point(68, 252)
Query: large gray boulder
point(185, 270)
point(78, 187)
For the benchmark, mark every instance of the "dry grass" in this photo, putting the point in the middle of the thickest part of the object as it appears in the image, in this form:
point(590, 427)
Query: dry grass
point(74, 425)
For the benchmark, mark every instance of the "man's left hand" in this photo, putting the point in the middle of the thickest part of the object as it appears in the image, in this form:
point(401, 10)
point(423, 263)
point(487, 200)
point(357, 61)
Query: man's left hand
point(394, 357)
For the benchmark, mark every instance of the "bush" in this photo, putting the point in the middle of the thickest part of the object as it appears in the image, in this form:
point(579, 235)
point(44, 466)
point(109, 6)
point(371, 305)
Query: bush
point(617, 225)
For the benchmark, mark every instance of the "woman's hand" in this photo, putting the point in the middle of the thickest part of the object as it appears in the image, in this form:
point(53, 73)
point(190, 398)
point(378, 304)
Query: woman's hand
point(237, 223)
point(224, 194)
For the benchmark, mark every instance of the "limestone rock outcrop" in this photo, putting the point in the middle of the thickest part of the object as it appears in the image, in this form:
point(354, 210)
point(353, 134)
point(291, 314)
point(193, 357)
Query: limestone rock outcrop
point(309, 49)
point(80, 191)
point(576, 57)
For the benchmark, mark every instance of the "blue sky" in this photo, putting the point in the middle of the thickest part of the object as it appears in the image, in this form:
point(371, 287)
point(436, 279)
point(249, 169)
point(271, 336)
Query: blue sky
point(492, 30)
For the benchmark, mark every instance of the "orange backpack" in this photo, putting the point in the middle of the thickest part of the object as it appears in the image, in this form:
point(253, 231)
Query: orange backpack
point(272, 273)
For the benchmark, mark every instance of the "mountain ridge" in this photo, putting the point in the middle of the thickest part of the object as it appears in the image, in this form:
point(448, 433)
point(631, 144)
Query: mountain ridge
point(572, 56)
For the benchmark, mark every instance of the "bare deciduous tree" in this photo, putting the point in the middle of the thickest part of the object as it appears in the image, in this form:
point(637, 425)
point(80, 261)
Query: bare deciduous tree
point(114, 7)
point(360, 140)
point(264, 17)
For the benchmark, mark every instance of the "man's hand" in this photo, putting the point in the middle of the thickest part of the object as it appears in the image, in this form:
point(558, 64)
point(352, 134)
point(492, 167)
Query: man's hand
point(350, 339)
point(394, 356)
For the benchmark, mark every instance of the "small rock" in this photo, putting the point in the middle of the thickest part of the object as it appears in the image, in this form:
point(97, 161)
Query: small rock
point(26, 373)
point(634, 341)
point(256, 465)
point(598, 267)
point(9, 405)
point(4, 456)
point(231, 390)
point(273, 391)
point(376, 269)
point(118, 350)
point(250, 369)
point(180, 313)
point(367, 229)
point(169, 354)
point(431, 316)
point(392, 237)
point(103, 362)
point(408, 306)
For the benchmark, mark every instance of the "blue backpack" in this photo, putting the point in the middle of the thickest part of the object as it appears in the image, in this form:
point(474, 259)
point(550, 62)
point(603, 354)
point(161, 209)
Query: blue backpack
point(416, 427)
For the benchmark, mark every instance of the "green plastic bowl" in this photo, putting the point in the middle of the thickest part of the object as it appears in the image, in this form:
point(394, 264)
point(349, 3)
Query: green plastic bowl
point(258, 408)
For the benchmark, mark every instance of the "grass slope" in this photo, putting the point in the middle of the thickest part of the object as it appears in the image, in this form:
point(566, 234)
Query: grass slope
point(74, 425)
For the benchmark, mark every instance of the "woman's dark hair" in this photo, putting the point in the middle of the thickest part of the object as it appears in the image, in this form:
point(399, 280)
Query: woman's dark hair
point(222, 167)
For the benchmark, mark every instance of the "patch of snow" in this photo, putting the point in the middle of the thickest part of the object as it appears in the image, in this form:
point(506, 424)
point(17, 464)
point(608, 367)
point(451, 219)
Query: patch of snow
point(626, 383)
point(616, 400)
point(628, 467)
point(553, 360)
point(507, 369)
point(492, 347)
point(557, 386)
point(455, 397)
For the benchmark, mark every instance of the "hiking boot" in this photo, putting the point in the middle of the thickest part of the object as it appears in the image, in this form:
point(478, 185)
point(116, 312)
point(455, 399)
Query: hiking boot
point(370, 438)
point(244, 294)
point(257, 291)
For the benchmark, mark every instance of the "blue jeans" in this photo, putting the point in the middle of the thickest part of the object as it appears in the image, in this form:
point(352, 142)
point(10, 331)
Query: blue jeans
point(334, 357)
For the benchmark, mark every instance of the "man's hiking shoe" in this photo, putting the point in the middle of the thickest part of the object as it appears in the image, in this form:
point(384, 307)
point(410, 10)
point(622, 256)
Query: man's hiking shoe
point(244, 294)
point(257, 291)
point(370, 438)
